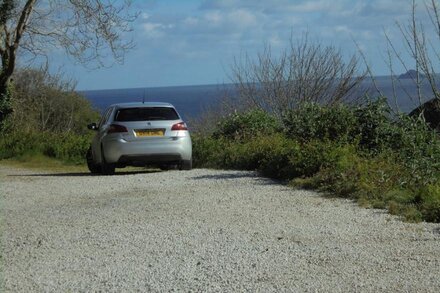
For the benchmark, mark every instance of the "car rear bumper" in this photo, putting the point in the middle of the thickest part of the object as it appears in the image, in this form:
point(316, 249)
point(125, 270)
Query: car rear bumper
point(166, 150)
point(140, 160)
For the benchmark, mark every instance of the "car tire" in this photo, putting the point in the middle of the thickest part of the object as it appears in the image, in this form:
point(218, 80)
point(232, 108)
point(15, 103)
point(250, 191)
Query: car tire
point(168, 167)
point(93, 168)
point(186, 165)
point(106, 168)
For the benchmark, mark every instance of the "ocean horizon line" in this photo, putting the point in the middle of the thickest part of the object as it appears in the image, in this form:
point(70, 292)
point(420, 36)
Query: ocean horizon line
point(155, 87)
point(196, 85)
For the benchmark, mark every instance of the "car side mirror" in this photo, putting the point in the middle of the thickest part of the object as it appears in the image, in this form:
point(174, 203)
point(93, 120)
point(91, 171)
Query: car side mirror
point(92, 126)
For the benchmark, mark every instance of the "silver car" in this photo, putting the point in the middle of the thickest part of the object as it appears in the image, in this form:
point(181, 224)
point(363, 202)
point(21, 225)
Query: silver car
point(139, 134)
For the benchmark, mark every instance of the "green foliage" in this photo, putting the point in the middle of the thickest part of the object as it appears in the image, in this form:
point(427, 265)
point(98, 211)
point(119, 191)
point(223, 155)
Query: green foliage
point(417, 148)
point(402, 202)
point(310, 121)
point(14, 144)
point(373, 125)
point(70, 148)
point(355, 176)
point(246, 125)
point(275, 155)
point(45, 102)
point(376, 182)
point(277, 160)
point(414, 144)
point(339, 176)
point(206, 151)
point(67, 147)
point(6, 9)
point(49, 119)
point(428, 197)
point(6, 95)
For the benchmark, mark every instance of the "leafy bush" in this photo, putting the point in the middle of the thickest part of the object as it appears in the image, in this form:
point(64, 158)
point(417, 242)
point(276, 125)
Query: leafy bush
point(373, 125)
point(206, 151)
point(276, 162)
point(417, 148)
point(70, 148)
point(67, 147)
point(246, 155)
point(275, 155)
point(340, 175)
point(310, 121)
point(374, 131)
point(359, 177)
point(46, 102)
point(378, 182)
point(246, 125)
point(14, 144)
point(49, 119)
point(428, 198)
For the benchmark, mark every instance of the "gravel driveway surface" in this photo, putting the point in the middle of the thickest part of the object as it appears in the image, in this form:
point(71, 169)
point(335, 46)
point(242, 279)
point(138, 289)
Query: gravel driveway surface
point(201, 230)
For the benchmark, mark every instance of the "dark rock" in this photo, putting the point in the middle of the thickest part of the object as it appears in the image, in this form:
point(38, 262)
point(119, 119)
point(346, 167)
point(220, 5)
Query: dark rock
point(431, 113)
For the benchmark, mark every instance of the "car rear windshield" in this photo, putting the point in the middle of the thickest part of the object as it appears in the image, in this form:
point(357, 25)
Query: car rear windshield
point(146, 114)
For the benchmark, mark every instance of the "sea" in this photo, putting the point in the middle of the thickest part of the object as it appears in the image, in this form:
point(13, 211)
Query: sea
point(194, 100)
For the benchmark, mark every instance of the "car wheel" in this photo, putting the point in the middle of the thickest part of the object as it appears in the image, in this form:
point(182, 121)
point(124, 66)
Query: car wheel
point(106, 168)
point(93, 168)
point(186, 165)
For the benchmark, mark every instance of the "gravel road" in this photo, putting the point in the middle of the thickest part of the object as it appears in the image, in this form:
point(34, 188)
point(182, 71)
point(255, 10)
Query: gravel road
point(201, 230)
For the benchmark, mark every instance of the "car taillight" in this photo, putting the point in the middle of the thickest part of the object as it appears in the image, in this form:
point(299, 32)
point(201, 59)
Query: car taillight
point(179, 126)
point(115, 128)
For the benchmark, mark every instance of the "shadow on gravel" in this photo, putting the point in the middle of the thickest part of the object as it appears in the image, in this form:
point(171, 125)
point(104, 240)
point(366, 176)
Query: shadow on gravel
point(83, 174)
point(232, 176)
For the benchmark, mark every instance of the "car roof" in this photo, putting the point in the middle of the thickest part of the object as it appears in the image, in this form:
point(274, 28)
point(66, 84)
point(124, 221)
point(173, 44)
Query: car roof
point(141, 105)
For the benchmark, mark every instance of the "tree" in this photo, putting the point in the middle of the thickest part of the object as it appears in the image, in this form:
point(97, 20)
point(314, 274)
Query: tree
point(305, 72)
point(48, 102)
point(6, 8)
point(90, 31)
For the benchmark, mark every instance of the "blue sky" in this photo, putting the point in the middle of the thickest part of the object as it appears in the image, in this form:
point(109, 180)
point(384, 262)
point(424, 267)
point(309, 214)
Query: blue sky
point(189, 42)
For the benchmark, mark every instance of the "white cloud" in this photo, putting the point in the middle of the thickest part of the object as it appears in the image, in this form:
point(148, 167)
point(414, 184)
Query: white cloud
point(155, 30)
point(276, 42)
point(144, 16)
point(191, 21)
point(152, 30)
point(214, 17)
point(242, 25)
point(243, 18)
point(312, 6)
point(343, 29)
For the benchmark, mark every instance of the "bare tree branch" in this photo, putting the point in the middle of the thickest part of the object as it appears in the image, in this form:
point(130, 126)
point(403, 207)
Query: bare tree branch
point(92, 32)
point(305, 72)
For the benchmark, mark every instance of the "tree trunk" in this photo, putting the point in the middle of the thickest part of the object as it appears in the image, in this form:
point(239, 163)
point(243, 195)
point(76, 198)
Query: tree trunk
point(9, 51)
point(8, 62)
